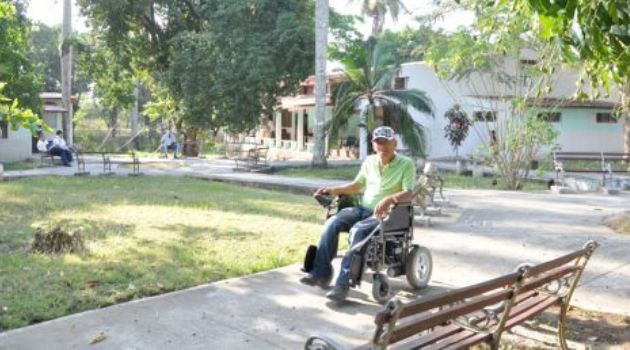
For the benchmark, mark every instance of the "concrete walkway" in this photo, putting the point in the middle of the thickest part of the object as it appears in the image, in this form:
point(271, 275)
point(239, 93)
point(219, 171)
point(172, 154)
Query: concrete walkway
point(482, 235)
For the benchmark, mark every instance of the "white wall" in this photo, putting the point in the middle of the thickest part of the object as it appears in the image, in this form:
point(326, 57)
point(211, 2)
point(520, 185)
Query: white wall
point(17, 147)
point(578, 131)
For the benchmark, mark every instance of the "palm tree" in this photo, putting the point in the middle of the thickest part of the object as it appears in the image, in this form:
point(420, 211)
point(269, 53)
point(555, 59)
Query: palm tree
point(369, 76)
point(377, 9)
point(321, 40)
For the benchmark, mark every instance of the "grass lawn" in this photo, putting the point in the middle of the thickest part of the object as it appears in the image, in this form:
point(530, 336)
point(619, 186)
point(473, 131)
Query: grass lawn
point(26, 165)
point(144, 236)
point(450, 179)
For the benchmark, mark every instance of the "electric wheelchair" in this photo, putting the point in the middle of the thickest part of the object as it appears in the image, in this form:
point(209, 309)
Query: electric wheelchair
point(388, 250)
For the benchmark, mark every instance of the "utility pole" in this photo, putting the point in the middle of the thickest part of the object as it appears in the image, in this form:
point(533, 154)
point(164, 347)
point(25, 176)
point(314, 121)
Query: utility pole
point(66, 71)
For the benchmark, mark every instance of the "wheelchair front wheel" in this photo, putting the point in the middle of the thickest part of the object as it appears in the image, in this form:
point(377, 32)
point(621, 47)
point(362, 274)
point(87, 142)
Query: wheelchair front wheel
point(419, 266)
point(381, 290)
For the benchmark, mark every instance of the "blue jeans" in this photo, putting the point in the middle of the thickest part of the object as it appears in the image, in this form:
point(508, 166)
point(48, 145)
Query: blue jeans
point(347, 219)
point(174, 146)
point(66, 155)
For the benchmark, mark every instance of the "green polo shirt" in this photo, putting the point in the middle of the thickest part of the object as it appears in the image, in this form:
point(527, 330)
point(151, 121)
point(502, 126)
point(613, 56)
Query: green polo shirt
point(398, 175)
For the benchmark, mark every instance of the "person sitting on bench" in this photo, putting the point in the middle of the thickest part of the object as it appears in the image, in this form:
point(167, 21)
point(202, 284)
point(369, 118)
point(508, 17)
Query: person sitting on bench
point(169, 141)
point(55, 147)
point(387, 178)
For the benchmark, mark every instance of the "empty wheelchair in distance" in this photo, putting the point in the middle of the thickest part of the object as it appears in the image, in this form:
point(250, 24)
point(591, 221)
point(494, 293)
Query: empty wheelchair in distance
point(387, 251)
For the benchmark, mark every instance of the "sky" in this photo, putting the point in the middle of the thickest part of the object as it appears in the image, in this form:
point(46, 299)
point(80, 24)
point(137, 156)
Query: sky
point(50, 12)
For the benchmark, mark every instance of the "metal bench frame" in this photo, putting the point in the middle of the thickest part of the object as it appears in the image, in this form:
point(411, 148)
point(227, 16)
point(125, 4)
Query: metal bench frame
point(479, 313)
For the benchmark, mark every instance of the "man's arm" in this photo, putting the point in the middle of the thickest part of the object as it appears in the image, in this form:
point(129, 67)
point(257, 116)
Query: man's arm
point(382, 208)
point(350, 188)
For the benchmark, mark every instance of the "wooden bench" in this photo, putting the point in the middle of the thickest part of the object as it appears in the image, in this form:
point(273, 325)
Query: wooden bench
point(248, 156)
point(48, 159)
point(573, 162)
point(115, 157)
point(480, 313)
point(108, 158)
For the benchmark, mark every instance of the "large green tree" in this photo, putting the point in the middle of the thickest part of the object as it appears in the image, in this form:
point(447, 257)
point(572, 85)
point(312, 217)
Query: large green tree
point(223, 62)
point(368, 87)
point(410, 44)
point(111, 74)
point(44, 53)
point(16, 70)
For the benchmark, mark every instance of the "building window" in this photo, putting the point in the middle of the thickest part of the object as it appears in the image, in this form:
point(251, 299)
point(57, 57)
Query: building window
point(605, 118)
point(4, 129)
point(485, 116)
point(551, 117)
point(400, 83)
point(526, 71)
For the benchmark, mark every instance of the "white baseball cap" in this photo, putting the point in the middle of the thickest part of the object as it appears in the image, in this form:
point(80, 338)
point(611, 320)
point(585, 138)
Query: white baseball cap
point(383, 132)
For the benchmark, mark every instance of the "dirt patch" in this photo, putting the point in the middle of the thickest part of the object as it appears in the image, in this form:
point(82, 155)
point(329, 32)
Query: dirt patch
point(585, 330)
point(619, 222)
point(57, 241)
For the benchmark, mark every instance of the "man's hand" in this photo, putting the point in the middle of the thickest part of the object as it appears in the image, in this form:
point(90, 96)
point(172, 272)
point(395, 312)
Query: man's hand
point(382, 208)
point(322, 191)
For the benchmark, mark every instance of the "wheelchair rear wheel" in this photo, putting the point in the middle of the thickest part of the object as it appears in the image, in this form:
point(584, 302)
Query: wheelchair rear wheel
point(419, 267)
point(381, 290)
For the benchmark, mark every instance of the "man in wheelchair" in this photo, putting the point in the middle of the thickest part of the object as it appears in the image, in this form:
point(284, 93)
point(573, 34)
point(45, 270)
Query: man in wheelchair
point(385, 178)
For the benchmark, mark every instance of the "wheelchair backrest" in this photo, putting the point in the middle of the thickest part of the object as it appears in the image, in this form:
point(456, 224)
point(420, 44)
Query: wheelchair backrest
point(400, 218)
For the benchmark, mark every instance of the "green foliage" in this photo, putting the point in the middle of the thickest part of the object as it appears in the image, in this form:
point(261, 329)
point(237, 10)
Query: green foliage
point(369, 76)
point(410, 44)
point(486, 61)
point(17, 116)
point(16, 69)
point(595, 32)
point(223, 63)
point(44, 53)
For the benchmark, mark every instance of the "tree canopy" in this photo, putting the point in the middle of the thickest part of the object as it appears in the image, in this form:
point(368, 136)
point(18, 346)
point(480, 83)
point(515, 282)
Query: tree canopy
point(223, 62)
point(16, 70)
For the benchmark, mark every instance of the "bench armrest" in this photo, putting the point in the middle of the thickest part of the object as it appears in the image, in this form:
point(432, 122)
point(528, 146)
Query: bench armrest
point(322, 342)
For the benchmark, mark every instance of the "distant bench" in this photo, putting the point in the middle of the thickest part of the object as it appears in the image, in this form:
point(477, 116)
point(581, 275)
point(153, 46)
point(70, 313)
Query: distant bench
point(109, 158)
point(248, 156)
point(577, 162)
point(480, 313)
point(48, 159)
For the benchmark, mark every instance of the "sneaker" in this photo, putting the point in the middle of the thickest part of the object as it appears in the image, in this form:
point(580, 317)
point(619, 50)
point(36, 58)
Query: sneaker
point(311, 280)
point(338, 294)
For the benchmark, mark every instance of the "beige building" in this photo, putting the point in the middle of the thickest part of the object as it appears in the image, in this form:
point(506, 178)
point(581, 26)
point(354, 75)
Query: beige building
point(18, 145)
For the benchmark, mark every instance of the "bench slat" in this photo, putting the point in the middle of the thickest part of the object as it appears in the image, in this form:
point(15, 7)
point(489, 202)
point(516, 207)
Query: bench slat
point(434, 319)
point(428, 339)
point(429, 303)
point(551, 264)
point(453, 341)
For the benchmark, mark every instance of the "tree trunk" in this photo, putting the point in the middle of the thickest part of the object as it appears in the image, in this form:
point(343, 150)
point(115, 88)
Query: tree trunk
point(625, 102)
point(321, 43)
point(66, 73)
point(378, 20)
point(113, 122)
point(191, 147)
point(134, 119)
point(363, 134)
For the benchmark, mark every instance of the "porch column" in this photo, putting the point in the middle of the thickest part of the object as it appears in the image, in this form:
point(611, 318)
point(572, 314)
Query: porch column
point(279, 129)
point(300, 131)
